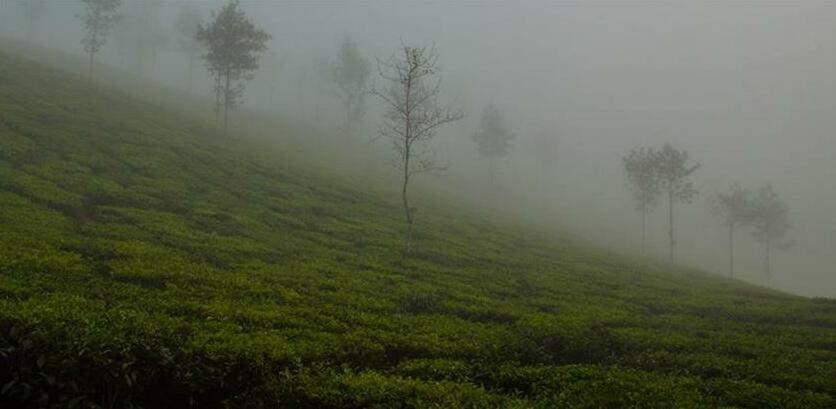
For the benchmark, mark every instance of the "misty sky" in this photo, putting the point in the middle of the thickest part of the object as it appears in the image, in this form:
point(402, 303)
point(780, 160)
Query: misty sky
point(748, 88)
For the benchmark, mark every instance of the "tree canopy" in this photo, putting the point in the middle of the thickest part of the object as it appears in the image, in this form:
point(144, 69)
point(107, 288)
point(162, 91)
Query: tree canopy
point(351, 76)
point(493, 139)
point(233, 47)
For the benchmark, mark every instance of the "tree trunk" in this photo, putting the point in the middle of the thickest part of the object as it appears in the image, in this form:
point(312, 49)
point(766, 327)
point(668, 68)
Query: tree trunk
point(407, 151)
point(767, 266)
point(31, 28)
point(217, 99)
point(644, 227)
point(153, 63)
point(138, 60)
point(407, 210)
point(492, 170)
point(226, 102)
point(191, 71)
point(670, 224)
point(347, 125)
point(90, 67)
point(317, 100)
point(731, 250)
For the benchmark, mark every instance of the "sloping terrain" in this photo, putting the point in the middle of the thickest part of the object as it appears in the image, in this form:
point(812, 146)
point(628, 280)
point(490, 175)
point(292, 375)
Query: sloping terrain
point(147, 261)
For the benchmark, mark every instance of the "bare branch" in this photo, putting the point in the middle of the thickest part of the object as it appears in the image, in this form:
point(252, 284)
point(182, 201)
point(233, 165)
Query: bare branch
point(413, 115)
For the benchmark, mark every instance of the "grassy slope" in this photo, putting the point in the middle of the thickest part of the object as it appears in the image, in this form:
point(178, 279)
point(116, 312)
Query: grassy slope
point(143, 259)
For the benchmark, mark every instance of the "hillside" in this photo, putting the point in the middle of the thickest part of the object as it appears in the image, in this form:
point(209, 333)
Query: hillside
point(146, 260)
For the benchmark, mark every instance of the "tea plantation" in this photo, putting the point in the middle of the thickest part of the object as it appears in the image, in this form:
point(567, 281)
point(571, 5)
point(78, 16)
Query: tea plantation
point(147, 262)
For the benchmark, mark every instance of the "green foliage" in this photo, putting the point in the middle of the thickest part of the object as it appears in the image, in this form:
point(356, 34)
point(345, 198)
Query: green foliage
point(143, 263)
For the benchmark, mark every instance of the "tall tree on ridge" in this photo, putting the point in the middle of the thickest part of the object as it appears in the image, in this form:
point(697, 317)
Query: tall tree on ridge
point(234, 45)
point(493, 139)
point(189, 20)
point(640, 166)
point(150, 35)
point(35, 9)
point(140, 34)
point(269, 73)
point(413, 117)
point(99, 18)
point(769, 218)
point(733, 208)
point(673, 170)
point(351, 75)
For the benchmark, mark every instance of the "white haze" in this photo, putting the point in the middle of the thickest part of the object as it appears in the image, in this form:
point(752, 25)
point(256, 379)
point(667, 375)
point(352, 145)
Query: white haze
point(746, 87)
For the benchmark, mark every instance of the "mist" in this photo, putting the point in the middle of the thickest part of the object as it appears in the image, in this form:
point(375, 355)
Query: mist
point(746, 88)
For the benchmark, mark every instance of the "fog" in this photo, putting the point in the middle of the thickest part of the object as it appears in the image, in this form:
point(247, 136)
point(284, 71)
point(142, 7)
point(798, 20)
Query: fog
point(746, 88)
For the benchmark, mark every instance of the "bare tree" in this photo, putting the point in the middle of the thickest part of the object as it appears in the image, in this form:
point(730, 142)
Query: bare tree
point(673, 171)
point(35, 9)
point(769, 218)
point(123, 39)
point(640, 166)
point(733, 208)
point(543, 146)
point(234, 45)
point(320, 73)
point(351, 76)
point(493, 139)
point(189, 19)
point(99, 17)
point(149, 35)
point(269, 73)
point(141, 33)
point(413, 116)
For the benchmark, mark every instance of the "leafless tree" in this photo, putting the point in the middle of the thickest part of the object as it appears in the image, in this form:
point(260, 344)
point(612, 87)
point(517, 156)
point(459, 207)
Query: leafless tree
point(673, 171)
point(148, 34)
point(269, 73)
point(351, 76)
point(733, 208)
point(413, 116)
point(35, 9)
point(543, 145)
point(99, 17)
point(640, 166)
point(320, 73)
point(769, 218)
point(189, 19)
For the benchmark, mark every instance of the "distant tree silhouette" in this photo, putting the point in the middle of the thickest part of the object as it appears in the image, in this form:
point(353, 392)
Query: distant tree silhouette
point(234, 45)
point(769, 217)
point(543, 146)
point(99, 18)
point(351, 76)
point(189, 20)
point(640, 166)
point(321, 73)
point(35, 9)
point(149, 35)
point(140, 34)
point(673, 171)
point(269, 72)
point(413, 116)
point(734, 209)
point(493, 139)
